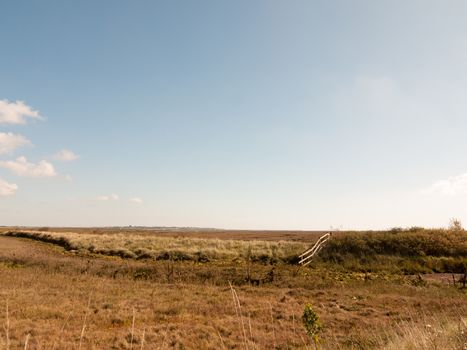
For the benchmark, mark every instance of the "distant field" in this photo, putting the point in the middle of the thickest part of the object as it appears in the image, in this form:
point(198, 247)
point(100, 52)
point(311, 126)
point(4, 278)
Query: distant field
point(139, 245)
point(247, 235)
point(161, 289)
point(408, 251)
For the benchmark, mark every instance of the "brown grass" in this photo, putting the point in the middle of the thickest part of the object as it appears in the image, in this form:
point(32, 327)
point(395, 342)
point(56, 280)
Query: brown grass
point(54, 294)
point(136, 245)
point(398, 251)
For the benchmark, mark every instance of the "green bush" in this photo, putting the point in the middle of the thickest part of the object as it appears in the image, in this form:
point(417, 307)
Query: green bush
point(311, 322)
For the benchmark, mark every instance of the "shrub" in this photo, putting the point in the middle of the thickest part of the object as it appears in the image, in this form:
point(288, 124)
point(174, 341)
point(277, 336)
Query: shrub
point(311, 322)
point(400, 243)
point(455, 225)
point(292, 259)
point(174, 255)
point(202, 257)
point(143, 253)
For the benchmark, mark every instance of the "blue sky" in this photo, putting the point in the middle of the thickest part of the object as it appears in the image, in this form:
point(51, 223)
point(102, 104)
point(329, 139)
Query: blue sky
point(234, 114)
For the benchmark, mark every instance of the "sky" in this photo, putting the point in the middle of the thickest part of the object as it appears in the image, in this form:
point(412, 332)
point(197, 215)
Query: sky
point(242, 114)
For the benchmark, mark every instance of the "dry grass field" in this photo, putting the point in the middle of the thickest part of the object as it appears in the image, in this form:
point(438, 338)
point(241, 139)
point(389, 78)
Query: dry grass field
point(185, 289)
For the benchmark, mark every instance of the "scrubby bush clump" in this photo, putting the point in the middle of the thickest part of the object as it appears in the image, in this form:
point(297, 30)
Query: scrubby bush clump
point(399, 243)
point(410, 251)
point(312, 323)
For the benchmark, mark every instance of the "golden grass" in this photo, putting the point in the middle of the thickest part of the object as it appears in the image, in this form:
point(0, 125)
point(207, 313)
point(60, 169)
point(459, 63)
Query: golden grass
point(184, 248)
point(60, 300)
point(407, 252)
point(437, 333)
point(119, 314)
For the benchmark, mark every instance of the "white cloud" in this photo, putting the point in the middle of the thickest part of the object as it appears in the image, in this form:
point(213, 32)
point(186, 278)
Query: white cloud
point(16, 112)
point(9, 142)
point(65, 155)
point(7, 189)
point(112, 197)
point(454, 185)
point(136, 200)
point(69, 178)
point(22, 167)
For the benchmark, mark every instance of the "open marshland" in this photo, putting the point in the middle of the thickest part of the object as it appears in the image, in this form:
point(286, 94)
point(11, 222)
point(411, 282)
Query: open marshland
point(195, 289)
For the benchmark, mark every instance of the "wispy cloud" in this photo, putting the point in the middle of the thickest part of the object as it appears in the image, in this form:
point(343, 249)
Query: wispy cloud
point(7, 189)
point(136, 200)
point(111, 197)
point(16, 112)
point(9, 142)
point(454, 185)
point(22, 167)
point(65, 155)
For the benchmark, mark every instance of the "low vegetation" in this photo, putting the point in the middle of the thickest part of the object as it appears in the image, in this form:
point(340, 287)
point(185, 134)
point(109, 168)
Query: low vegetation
point(168, 248)
point(68, 290)
point(407, 251)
